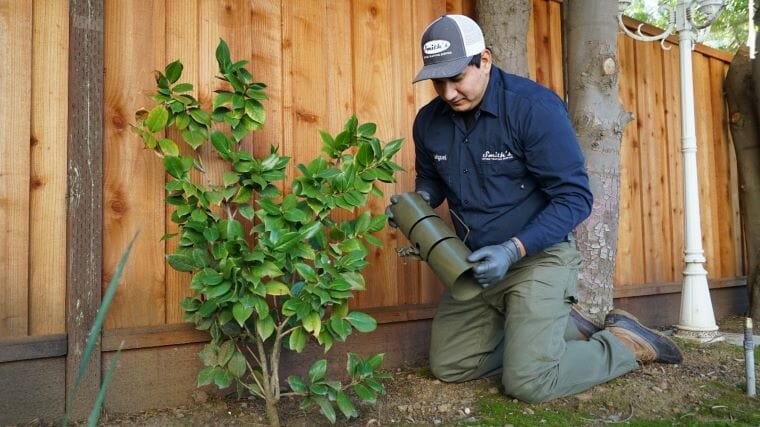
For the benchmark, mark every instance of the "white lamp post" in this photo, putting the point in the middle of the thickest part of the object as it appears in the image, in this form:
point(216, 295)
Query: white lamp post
point(696, 320)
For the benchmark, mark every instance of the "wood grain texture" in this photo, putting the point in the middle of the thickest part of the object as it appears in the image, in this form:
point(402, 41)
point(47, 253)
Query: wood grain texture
point(15, 113)
point(133, 189)
point(47, 197)
point(672, 94)
point(723, 223)
point(430, 288)
point(373, 104)
point(705, 150)
point(630, 250)
point(181, 44)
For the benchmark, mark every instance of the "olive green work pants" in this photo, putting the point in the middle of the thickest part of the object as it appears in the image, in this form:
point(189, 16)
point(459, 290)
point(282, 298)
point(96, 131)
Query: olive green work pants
point(520, 327)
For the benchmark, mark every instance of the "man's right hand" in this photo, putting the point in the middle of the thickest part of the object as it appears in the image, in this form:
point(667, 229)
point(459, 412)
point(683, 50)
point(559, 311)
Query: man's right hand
point(394, 199)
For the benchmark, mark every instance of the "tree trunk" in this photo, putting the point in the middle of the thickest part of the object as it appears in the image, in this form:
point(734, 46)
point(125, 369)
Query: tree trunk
point(743, 121)
point(505, 27)
point(599, 120)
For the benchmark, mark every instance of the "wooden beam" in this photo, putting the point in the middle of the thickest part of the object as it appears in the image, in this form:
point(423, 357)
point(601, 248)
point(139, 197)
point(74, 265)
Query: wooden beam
point(185, 333)
point(35, 347)
point(85, 189)
point(628, 291)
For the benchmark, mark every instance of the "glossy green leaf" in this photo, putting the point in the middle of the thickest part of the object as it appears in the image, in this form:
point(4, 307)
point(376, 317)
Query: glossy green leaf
point(317, 370)
point(206, 376)
point(173, 71)
point(157, 118)
point(222, 378)
point(325, 407)
point(241, 313)
point(277, 288)
point(345, 405)
point(237, 365)
point(367, 129)
point(183, 87)
point(297, 385)
point(168, 147)
point(200, 116)
point(226, 350)
point(312, 323)
point(181, 262)
point(365, 393)
point(193, 138)
point(297, 340)
point(265, 327)
point(361, 321)
point(223, 56)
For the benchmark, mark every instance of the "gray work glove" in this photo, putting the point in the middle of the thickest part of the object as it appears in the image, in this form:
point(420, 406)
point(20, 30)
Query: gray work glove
point(494, 261)
point(394, 199)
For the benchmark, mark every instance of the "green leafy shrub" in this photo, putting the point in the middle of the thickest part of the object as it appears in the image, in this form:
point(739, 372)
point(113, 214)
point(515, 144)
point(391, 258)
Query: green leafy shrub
point(270, 270)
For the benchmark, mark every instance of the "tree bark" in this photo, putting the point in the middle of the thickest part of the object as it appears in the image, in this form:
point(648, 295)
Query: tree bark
point(599, 120)
point(743, 122)
point(505, 27)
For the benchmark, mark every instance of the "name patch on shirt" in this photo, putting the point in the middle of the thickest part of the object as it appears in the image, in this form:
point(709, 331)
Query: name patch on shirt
point(497, 156)
point(439, 157)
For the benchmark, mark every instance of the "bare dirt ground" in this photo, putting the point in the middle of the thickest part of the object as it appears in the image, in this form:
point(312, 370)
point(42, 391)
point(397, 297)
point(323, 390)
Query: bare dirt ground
point(708, 388)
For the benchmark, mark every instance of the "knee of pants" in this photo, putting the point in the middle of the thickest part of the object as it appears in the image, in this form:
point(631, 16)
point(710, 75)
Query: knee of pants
point(527, 390)
point(446, 372)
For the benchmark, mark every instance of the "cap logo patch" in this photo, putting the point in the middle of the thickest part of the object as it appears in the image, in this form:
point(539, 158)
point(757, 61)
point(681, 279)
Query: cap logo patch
point(435, 46)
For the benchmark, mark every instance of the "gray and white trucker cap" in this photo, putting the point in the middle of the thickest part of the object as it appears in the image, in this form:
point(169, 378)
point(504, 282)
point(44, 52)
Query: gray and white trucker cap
point(447, 45)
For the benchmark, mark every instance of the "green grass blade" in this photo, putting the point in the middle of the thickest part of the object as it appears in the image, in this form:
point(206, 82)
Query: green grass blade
point(98, 324)
point(95, 413)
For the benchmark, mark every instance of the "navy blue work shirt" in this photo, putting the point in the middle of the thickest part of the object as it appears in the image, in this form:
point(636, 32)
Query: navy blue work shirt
point(517, 172)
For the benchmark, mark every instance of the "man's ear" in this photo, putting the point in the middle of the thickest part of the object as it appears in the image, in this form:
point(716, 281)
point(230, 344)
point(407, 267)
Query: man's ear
point(486, 60)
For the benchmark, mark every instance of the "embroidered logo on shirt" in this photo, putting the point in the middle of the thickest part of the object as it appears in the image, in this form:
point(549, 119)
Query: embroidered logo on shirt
point(439, 157)
point(497, 156)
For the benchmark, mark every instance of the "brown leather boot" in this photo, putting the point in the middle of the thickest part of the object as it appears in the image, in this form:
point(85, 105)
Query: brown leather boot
point(585, 326)
point(648, 345)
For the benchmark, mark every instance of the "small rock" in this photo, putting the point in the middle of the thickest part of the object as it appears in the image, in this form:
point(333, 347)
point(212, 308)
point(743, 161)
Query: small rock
point(467, 411)
point(493, 390)
point(200, 396)
point(444, 408)
point(403, 408)
point(436, 382)
point(528, 411)
point(437, 421)
point(656, 389)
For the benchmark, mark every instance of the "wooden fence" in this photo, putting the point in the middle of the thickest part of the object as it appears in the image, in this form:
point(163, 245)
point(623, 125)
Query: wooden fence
point(322, 62)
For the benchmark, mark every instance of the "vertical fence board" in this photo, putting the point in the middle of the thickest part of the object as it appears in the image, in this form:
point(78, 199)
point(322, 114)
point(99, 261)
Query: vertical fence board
point(653, 157)
point(671, 67)
point(266, 67)
point(556, 80)
point(374, 104)
point(181, 44)
point(47, 204)
point(541, 34)
point(722, 224)
point(630, 251)
point(15, 86)
point(84, 208)
point(424, 13)
point(404, 38)
point(707, 201)
point(133, 183)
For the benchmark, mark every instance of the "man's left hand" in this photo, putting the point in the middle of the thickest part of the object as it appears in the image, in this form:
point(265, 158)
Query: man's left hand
point(494, 261)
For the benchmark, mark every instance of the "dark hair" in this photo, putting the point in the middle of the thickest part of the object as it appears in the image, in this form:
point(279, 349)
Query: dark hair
point(475, 60)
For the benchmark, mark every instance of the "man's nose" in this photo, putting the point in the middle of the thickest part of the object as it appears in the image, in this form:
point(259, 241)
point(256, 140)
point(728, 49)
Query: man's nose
point(449, 91)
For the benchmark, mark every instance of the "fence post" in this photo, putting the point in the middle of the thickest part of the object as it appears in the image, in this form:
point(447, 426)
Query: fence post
point(84, 197)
